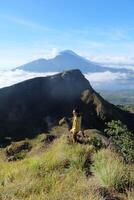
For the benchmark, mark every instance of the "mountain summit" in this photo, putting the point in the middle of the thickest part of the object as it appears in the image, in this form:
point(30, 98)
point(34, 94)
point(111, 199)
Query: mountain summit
point(32, 106)
point(66, 60)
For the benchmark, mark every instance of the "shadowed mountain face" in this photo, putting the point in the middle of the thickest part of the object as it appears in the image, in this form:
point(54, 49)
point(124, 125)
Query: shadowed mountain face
point(33, 106)
point(66, 60)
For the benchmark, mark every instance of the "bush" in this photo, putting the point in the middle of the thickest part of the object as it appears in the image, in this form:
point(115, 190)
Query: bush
point(111, 171)
point(122, 138)
point(96, 143)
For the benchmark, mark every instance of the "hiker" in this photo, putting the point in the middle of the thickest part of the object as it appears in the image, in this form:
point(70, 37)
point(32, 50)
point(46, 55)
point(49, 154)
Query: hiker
point(76, 126)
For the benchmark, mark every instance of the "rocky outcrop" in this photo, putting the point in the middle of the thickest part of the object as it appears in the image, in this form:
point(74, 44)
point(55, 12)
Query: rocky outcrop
point(17, 150)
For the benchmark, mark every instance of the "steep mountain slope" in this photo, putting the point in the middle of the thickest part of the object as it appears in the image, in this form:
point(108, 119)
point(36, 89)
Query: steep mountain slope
point(66, 60)
point(35, 105)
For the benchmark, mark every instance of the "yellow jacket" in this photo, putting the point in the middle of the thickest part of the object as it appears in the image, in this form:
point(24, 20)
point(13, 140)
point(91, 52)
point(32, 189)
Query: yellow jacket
point(76, 127)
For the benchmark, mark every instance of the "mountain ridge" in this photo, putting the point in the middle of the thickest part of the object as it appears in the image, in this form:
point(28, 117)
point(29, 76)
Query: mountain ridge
point(35, 105)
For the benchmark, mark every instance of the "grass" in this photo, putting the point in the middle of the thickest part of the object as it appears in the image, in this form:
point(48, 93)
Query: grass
point(111, 171)
point(58, 173)
point(130, 195)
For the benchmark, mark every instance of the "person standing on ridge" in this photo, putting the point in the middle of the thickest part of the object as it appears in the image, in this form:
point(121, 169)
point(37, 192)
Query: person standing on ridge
point(76, 126)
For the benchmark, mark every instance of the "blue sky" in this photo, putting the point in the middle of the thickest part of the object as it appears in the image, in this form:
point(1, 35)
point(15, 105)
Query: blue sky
point(102, 30)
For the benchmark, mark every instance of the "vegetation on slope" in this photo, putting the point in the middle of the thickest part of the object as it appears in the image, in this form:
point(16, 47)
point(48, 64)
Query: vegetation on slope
point(111, 171)
point(66, 171)
point(122, 139)
point(127, 107)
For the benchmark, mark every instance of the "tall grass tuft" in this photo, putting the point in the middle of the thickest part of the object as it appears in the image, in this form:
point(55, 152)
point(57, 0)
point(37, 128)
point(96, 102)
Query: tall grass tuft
point(111, 171)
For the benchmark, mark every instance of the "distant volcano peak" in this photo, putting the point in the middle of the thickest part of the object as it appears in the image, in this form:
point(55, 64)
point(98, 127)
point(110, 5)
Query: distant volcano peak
point(66, 60)
point(69, 52)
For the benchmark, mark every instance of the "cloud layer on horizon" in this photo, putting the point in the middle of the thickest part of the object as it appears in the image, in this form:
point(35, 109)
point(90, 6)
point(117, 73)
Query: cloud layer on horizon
point(97, 80)
point(105, 77)
point(8, 77)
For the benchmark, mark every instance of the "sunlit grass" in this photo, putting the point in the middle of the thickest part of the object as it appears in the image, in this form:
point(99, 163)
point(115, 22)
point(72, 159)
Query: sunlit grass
point(111, 171)
point(58, 173)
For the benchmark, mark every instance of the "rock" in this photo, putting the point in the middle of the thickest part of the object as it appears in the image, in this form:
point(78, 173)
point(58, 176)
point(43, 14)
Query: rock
point(48, 138)
point(17, 150)
point(66, 122)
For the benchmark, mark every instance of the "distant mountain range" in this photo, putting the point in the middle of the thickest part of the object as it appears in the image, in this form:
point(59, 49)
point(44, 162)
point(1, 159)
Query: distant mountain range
point(67, 60)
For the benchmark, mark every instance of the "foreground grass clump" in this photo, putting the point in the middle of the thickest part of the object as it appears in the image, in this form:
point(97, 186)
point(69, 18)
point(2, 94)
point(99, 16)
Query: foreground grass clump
point(62, 155)
point(55, 174)
point(111, 171)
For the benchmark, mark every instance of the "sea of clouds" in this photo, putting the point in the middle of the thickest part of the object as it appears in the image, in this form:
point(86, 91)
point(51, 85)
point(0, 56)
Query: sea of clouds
point(9, 77)
point(104, 80)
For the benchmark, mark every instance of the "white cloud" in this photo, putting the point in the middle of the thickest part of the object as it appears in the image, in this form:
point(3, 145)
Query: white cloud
point(8, 77)
point(105, 77)
point(51, 53)
point(25, 22)
point(106, 80)
point(112, 59)
point(111, 81)
point(115, 34)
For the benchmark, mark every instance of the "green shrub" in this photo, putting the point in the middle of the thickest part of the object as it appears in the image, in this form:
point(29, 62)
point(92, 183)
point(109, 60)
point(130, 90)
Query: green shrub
point(96, 143)
point(111, 171)
point(122, 138)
